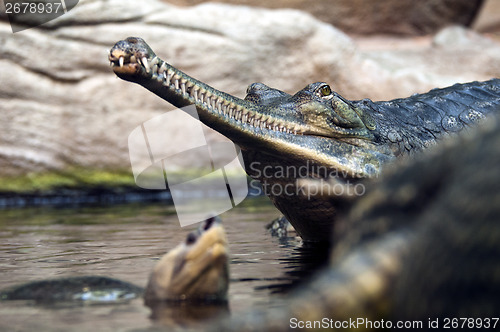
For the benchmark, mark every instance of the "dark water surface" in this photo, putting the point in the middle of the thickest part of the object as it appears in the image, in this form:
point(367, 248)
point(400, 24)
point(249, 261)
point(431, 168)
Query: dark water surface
point(124, 242)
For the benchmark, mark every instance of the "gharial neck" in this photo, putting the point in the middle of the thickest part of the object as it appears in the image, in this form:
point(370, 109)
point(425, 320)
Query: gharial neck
point(411, 124)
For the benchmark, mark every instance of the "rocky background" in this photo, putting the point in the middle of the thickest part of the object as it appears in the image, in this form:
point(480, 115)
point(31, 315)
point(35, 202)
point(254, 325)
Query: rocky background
point(64, 112)
point(393, 17)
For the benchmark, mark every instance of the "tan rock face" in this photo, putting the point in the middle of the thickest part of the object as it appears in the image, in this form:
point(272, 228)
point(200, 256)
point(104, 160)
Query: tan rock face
point(62, 106)
point(400, 17)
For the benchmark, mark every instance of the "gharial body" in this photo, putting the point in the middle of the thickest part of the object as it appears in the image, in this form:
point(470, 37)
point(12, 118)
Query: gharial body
point(315, 132)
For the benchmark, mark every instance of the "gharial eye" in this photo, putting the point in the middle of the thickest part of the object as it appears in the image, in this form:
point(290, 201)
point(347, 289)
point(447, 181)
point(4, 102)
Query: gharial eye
point(325, 90)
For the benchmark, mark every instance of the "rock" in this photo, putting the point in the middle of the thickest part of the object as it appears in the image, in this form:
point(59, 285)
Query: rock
point(62, 107)
point(400, 17)
point(488, 19)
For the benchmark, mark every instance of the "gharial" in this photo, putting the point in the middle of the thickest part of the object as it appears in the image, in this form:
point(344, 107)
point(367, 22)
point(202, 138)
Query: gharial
point(316, 129)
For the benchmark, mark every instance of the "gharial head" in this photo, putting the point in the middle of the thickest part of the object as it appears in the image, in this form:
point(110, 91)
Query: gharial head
point(196, 270)
point(315, 110)
point(315, 124)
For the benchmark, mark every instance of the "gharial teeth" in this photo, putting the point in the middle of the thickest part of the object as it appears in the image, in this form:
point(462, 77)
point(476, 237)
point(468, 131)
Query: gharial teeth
point(146, 64)
point(121, 61)
point(168, 79)
point(162, 68)
point(194, 93)
point(254, 119)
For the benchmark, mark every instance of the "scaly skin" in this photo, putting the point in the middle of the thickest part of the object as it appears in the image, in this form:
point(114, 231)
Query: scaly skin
point(315, 133)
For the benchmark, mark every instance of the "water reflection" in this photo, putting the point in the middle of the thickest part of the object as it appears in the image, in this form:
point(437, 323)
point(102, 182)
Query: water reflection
point(300, 265)
point(190, 315)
